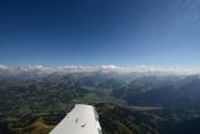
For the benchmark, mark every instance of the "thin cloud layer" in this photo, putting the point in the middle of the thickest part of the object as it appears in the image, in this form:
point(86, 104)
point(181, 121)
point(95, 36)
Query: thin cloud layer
point(80, 68)
point(3, 67)
point(98, 68)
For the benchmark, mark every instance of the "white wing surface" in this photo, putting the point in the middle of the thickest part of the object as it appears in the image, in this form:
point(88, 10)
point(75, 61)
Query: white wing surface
point(83, 119)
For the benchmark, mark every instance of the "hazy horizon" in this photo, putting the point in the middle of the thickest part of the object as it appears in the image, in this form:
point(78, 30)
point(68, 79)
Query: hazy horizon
point(156, 70)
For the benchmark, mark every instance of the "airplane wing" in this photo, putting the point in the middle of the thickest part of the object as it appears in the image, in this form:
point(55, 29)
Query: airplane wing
point(83, 119)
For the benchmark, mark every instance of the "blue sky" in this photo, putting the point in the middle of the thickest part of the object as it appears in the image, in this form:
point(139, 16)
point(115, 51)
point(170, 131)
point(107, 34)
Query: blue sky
point(95, 32)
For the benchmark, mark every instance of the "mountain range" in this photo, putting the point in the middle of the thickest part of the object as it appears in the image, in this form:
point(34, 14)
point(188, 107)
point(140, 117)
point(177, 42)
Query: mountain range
point(131, 103)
